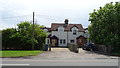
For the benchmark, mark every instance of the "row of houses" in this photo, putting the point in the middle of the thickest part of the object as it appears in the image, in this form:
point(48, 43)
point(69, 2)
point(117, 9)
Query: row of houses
point(61, 34)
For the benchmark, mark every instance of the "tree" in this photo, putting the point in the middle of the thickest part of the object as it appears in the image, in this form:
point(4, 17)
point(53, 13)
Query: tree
point(26, 28)
point(21, 38)
point(7, 41)
point(104, 27)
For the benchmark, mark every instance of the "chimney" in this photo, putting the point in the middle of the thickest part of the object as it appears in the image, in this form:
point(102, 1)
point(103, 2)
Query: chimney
point(66, 22)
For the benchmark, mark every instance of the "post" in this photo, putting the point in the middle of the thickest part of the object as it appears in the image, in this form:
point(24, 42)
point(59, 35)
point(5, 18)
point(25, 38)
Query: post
point(33, 32)
point(67, 38)
point(49, 47)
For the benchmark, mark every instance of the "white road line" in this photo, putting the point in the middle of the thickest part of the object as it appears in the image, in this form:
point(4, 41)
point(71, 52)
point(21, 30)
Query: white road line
point(14, 64)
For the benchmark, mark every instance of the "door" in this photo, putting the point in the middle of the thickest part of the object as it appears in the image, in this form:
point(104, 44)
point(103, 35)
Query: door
point(80, 42)
point(54, 42)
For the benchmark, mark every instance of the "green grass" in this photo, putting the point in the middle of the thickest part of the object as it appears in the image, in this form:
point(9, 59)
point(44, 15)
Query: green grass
point(18, 53)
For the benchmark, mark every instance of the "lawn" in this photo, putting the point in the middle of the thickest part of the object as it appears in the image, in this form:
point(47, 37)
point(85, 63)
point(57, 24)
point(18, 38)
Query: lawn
point(18, 53)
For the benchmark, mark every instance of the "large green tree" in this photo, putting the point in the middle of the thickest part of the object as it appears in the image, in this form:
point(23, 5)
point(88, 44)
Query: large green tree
point(22, 37)
point(26, 29)
point(105, 25)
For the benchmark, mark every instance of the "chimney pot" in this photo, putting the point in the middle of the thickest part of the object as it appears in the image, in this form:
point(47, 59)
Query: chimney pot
point(66, 22)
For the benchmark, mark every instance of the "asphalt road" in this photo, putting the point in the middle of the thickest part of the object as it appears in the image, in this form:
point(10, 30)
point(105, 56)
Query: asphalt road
point(63, 57)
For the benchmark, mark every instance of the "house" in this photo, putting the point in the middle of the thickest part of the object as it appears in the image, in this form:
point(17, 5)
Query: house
point(60, 34)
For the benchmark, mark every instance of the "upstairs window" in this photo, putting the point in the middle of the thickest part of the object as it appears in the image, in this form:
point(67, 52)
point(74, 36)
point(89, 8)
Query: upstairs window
point(74, 32)
point(60, 29)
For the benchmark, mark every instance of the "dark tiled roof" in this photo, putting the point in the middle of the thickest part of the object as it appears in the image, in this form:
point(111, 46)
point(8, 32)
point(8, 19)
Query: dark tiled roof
point(54, 37)
point(80, 36)
point(49, 36)
point(54, 26)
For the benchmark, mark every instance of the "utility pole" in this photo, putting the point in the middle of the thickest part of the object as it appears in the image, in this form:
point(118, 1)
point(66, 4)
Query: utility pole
point(67, 38)
point(33, 31)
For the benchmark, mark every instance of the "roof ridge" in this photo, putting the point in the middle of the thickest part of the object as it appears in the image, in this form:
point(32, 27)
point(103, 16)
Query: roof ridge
point(54, 26)
point(57, 23)
point(75, 24)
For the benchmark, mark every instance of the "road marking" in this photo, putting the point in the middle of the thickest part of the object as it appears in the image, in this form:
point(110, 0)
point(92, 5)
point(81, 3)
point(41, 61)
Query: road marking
point(82, 60)
point(14, 64)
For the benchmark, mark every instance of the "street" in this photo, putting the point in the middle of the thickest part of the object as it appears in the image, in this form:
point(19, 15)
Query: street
point(63, 57)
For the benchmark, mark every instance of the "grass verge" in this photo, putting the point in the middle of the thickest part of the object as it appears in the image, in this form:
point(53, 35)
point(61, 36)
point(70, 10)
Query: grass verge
point(17, 53)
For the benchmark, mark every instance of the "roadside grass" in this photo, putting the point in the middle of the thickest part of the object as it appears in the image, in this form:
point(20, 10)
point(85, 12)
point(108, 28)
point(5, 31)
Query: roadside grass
point(18, 53)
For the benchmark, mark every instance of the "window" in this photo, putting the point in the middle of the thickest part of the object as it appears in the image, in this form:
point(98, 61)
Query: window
point(61, 29)
point(72, 41)
point(62, 41)
point(74, 32)
point(48, 41)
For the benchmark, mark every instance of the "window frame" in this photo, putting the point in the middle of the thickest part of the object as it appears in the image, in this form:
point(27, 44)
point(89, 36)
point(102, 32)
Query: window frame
point(74, 32)
point(72, 41)
point(61, 29)
point(48, 41)
point(62, 41)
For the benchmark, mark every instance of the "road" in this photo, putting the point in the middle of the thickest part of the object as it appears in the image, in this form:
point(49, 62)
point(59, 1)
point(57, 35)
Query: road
point(63, 57)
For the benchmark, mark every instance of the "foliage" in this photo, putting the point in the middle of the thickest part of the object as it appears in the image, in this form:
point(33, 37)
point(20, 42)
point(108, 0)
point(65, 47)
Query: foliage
point(22, 37)
point(104, 27)
point(6, 37)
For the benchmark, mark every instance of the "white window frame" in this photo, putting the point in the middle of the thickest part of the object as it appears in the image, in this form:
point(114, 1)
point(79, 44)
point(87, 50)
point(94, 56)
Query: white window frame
point(72, 40)
point(60, 29)
point(74, 32)
point(62, 41)
point(48, 41)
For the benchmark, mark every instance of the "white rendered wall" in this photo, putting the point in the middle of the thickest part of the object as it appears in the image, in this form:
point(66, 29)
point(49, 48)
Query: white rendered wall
point(68, 36)
point(60, 35)
point(73, 37)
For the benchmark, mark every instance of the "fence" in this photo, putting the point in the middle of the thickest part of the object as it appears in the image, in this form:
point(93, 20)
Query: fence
point(103, 49)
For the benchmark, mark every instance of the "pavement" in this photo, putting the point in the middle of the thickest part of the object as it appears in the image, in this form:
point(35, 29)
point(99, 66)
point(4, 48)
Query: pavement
point(63, 57)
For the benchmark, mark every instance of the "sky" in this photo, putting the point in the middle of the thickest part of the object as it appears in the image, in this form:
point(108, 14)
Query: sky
point(12, 12)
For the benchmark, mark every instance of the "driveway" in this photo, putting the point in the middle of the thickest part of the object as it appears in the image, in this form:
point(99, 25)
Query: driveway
point(65, 53)
point(64, 57)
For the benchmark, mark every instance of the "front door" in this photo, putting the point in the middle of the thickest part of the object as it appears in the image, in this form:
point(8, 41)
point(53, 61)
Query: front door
point(80, 42)
point(54, 42)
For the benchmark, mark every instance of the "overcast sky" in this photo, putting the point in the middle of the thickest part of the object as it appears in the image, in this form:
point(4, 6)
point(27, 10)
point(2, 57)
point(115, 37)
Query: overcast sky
point(13, 12)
